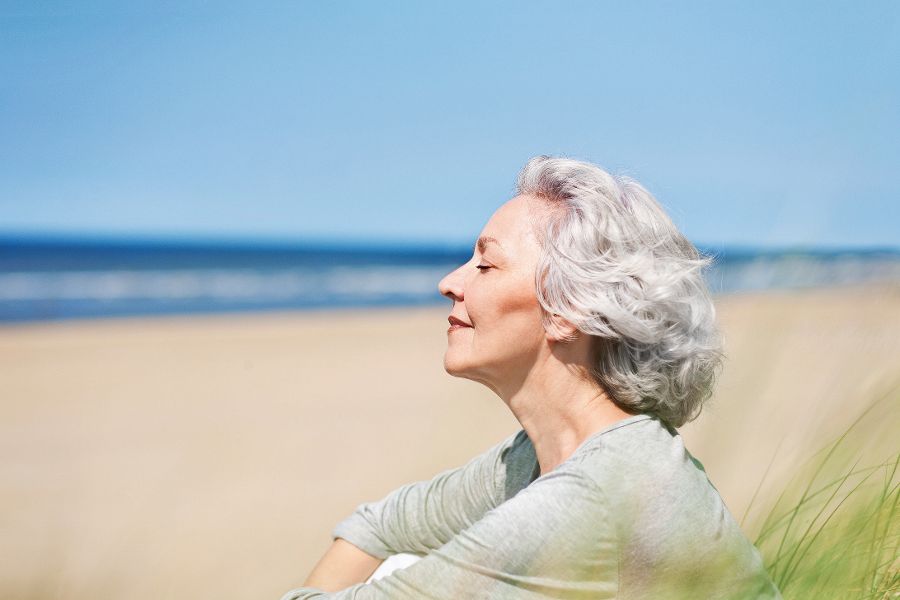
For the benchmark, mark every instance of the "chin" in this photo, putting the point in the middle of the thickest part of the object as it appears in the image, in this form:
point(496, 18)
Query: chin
point(465, 369)
point(452, 368)
point(455, 367)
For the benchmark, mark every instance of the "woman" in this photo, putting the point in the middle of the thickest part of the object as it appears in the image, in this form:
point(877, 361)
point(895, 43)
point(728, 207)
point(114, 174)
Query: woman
point(584, 309)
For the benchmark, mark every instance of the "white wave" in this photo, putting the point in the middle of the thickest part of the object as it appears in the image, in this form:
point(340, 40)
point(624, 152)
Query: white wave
point(365, 283)
point(221, 284)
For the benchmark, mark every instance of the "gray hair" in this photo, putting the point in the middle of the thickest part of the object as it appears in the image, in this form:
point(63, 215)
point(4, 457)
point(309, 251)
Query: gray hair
point(615, 266)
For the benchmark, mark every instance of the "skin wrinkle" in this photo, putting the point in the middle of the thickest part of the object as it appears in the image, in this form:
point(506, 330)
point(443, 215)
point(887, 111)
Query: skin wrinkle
point(546, 383)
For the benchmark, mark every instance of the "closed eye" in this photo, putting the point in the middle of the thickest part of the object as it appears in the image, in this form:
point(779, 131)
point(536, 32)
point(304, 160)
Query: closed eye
point(483, 267)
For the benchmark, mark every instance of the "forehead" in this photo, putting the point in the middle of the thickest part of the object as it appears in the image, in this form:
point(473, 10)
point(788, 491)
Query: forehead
point(515, 222)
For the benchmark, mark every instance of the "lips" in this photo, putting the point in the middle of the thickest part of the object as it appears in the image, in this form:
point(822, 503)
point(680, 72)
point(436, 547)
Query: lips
point(458, 322)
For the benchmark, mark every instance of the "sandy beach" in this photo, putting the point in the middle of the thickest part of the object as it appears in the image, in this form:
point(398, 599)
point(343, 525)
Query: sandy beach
point(209, 457)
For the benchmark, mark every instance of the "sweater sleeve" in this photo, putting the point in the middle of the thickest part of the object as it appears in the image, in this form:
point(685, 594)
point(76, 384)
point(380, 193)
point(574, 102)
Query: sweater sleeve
point(553, 539)
point(419, 517)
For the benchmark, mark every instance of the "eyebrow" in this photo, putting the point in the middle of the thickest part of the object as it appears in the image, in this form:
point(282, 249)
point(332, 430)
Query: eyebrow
point(484, 240)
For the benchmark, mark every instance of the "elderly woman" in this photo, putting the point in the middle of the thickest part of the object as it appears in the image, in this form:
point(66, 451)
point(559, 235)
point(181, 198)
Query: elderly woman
point(584, 309)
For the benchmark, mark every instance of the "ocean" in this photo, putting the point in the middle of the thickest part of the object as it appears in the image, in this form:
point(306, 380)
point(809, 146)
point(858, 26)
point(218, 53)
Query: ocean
point(54, 279)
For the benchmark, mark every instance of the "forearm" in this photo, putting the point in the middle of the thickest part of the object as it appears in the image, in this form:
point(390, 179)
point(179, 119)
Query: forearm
point(523, 548)
point(342, 566)
point(420, 517)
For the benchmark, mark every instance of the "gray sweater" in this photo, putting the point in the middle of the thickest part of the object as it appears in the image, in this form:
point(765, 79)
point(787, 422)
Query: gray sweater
point(630, 514)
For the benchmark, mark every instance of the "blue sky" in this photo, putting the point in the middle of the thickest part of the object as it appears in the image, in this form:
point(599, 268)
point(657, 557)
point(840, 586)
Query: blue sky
point(765, 124)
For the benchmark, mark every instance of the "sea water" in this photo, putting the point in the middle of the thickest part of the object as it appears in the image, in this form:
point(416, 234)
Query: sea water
point(46, 279)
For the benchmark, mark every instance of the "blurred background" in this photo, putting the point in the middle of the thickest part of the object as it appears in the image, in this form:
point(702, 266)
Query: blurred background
point(222, 226)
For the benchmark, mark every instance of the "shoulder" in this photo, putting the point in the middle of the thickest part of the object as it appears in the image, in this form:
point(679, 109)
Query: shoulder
point(559, 515)
point(666, 511)
point(567, 493)
point(650, 480)
point(641, 446)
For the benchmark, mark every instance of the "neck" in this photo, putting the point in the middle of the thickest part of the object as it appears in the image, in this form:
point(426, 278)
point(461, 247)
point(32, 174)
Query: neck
point(559, 407)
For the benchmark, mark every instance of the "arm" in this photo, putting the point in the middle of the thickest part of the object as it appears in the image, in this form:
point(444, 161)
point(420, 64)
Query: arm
point(342, 565)
point(555, 539)
point(419, 517)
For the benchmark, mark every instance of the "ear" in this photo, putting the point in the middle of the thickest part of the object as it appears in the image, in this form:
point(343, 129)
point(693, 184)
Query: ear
point(561, 330)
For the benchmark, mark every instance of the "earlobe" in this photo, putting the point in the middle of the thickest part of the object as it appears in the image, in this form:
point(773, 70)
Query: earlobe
point(562, 330)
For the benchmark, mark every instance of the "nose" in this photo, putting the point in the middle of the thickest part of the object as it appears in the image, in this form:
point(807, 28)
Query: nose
point(451, 286)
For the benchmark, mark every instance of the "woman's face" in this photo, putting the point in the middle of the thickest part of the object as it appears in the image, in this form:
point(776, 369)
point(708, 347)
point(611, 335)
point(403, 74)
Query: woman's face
point(494, 296)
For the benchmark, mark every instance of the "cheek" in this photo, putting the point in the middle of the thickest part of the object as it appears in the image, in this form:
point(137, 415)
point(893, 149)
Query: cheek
point(511, 308)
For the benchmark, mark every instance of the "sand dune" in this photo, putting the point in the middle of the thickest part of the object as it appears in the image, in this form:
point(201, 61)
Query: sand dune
point(209, 457)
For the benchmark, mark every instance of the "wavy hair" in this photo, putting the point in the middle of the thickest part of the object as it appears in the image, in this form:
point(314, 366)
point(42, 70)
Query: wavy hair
point(615, 266)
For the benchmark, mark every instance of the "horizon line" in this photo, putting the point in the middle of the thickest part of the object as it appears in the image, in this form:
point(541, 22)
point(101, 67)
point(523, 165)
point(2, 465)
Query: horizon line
point(300, 242)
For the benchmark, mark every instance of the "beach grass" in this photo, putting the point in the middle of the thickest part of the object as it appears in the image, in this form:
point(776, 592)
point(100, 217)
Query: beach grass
point(834, 531)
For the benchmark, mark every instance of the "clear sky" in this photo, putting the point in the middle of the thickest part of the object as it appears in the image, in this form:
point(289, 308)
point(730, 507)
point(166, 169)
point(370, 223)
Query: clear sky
point(761, 123)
